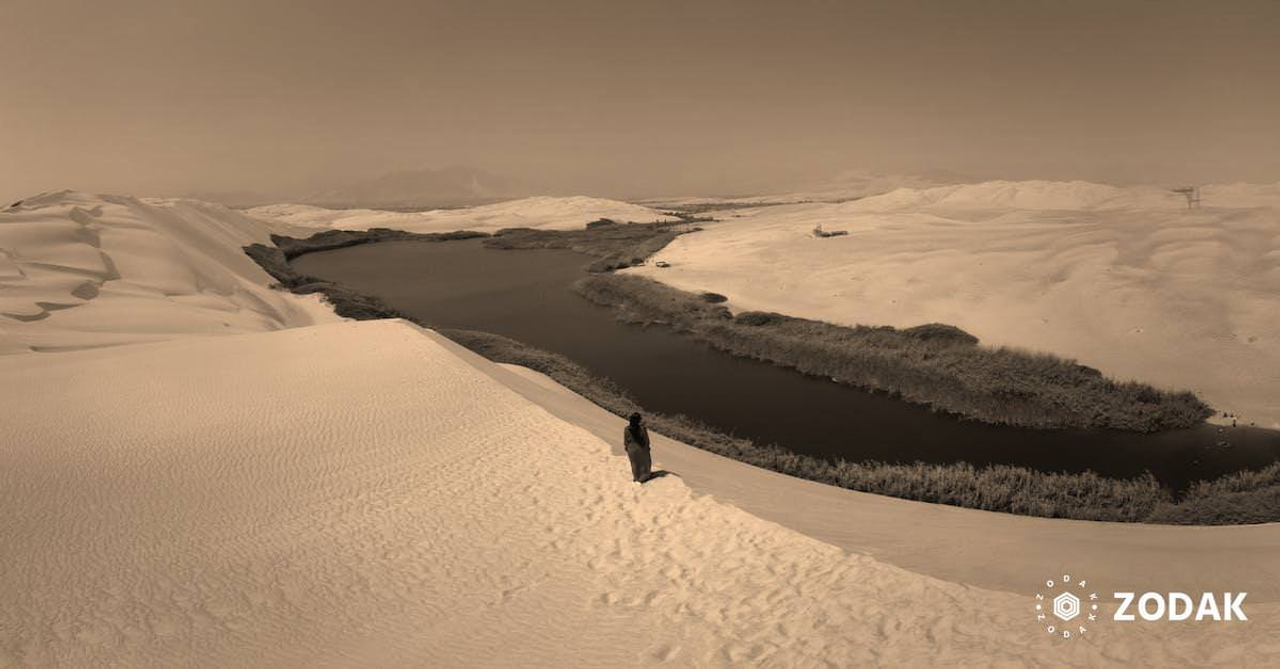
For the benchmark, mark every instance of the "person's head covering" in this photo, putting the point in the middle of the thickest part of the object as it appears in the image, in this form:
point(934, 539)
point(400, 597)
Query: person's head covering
point(636, 430)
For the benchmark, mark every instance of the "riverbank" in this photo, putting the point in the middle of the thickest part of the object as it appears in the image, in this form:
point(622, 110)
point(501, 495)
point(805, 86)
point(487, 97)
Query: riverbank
point(936, 365)
point(936, 539)
point(1243, 498)
point(1002, 488)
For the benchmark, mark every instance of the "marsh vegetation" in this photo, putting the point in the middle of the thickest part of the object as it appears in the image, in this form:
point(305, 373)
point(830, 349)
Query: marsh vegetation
point(936, 365)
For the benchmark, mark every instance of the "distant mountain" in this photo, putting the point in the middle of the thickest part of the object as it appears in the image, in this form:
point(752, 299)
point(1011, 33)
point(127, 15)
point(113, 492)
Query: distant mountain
point(855, 184)
point(233, 198)
point(847, 185)
point(450, 186)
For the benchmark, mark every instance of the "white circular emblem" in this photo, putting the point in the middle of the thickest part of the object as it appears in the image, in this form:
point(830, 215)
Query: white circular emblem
point(1066, 607)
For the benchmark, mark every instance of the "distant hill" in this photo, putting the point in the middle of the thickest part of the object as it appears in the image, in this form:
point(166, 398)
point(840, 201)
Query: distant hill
point(449, 186)
point(233, 198)
point(559, 213)
point(847, 185)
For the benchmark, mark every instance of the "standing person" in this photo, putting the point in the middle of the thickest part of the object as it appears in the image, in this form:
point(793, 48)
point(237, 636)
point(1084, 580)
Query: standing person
point(635, 438)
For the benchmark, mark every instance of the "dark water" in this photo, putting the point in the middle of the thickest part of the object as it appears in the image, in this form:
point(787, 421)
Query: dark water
point(525, 295)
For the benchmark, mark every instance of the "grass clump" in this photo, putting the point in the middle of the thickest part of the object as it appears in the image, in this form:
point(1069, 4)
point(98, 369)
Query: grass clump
point(1233, 499)
point(936, 365)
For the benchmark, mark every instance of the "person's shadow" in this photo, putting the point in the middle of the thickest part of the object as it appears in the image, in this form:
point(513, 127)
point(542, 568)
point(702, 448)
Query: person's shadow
point(658, 474)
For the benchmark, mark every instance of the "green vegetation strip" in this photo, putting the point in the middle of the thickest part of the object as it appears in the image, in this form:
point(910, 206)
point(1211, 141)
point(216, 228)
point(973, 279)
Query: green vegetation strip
point(938, 366)
point(337, 239)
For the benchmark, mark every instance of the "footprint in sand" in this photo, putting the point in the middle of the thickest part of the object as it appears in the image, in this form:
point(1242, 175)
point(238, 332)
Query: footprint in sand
point(661, 653)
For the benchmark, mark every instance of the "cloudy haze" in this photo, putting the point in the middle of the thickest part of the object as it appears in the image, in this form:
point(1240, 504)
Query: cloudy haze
point(632, 99)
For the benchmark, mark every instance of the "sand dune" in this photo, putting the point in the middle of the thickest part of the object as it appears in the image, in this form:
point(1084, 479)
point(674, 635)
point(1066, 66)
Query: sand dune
point(80, 270)
point(1123, 279)
point(359, 494)
point(369, 494)
point(532, 212)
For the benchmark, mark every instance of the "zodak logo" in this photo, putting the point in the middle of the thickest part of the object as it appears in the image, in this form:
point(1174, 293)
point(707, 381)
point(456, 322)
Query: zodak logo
point(1067, 608)
point(1152, 606)
point(1064, 607)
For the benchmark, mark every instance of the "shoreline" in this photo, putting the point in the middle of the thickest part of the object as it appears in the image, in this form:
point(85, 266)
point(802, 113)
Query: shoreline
point(1015, 490)
point(922, 537)
point(934, 365)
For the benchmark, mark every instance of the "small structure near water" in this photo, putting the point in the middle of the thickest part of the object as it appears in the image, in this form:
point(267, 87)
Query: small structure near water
point(1192, 194)
point(820, 233)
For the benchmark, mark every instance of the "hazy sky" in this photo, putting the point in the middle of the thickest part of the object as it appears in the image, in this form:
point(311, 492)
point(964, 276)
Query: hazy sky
point(632, 98)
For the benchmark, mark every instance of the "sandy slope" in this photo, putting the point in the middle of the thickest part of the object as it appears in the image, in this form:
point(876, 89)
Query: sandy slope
point(359, 495)
point(1123, 279)
point(80, 270)
point(531, 212)
point(939, 540)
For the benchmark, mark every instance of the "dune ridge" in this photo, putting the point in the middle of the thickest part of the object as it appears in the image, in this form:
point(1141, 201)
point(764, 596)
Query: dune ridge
point(79, 270)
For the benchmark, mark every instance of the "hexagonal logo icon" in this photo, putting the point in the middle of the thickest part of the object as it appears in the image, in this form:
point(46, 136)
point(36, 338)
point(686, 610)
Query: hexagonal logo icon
point(1061, 607)
point(1066, 606)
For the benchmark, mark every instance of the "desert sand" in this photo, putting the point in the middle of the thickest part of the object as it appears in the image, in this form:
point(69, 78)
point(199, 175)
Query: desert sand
point(1126, 280)
point(358, 494)
point(79, 271)
point(369, 494)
